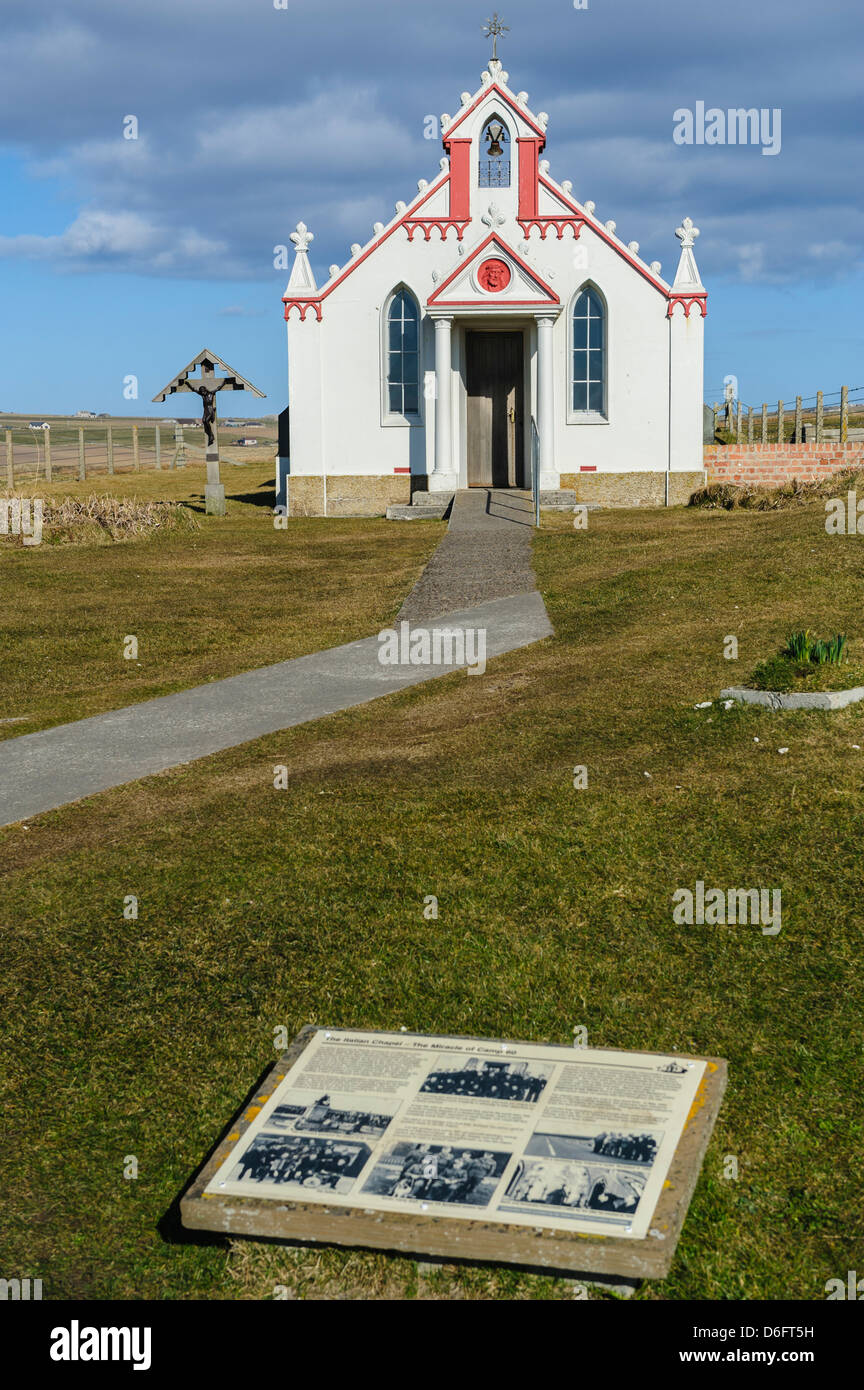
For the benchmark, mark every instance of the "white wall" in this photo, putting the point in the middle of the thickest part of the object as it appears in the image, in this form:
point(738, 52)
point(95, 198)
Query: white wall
point(337, 420)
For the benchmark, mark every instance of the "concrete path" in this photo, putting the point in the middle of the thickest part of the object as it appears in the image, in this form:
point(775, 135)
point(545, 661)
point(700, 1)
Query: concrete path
point(486, 554)
point(41, 771)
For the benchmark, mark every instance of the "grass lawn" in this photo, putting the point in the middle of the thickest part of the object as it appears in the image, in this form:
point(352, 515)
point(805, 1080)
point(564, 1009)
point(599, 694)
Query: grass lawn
point(261, 908)
point(205, 604)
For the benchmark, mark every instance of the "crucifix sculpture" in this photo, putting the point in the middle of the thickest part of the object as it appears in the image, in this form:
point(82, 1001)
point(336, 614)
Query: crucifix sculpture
point(206, 386)
point(493, 30)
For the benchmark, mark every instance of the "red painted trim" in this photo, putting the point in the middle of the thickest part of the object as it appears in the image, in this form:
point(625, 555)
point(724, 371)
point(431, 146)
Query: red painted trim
point(514, 107)
point(559, 223)
point(604, 235)
point(529, 156)
point(443, 224)
point(401, 470)
point(493, 239)
point(303, 305)
point(460, 179)
point(687, 301)
point(587, 468)
point(499, 303)
point(315, 301)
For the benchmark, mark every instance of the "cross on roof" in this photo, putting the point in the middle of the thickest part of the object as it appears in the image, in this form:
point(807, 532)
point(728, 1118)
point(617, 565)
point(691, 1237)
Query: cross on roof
point(493, 30)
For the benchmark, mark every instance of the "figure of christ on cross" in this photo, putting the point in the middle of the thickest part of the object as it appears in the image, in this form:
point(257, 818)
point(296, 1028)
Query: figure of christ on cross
point(207, 391)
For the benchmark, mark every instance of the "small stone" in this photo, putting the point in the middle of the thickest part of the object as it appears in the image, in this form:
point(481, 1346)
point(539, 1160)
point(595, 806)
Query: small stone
point(782, 750)
point(706, 704)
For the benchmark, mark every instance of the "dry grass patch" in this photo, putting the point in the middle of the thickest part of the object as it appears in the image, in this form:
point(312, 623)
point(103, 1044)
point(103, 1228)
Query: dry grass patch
point(795, 493)
point(101, 519)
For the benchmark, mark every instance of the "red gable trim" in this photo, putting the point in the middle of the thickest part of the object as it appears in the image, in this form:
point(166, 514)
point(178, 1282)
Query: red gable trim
point(687, 301)
point(514, 107)
point(307, 301)
point(493, 238)
point(604, 235)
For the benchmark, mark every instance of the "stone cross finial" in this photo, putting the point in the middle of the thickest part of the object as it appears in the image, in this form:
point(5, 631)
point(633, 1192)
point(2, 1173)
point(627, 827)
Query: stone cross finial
point(687, 233)
point(302, 237)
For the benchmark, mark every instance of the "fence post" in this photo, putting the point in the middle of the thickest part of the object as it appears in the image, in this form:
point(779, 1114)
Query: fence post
point(109, 444)
point(764, 422)
point(739, 426)
point(844, 414)
point(749, 424)
point(157, 445)
point(179, 459)
point(820, 416)
point(715, 408)
point(781, 423)
point(796, 438)
point(48, 473)
point(82, 465)
point(10, 466)
point(135, 458)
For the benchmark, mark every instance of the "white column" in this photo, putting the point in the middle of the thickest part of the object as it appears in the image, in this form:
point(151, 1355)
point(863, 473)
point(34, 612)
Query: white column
point(445, 476)
point(546, 402)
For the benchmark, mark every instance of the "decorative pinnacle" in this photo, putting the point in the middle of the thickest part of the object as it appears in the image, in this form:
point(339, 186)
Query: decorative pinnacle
point(686, 233)
point(493, 29)
point(302, 237)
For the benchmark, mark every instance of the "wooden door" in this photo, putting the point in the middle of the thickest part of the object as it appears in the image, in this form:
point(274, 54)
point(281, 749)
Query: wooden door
point(494, 375)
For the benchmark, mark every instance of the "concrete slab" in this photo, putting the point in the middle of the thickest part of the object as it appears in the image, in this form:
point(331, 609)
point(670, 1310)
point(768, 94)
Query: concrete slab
point(41, 771)
point(778, 699)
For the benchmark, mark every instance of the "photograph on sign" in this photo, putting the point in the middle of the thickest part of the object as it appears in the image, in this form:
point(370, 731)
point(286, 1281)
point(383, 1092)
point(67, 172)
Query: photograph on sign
point(568, 1139)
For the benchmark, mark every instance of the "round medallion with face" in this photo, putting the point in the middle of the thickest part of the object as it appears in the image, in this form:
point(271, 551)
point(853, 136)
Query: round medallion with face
point(494, 276)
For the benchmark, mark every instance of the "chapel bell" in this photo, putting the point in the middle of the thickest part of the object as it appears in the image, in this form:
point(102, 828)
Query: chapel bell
point(493, 135)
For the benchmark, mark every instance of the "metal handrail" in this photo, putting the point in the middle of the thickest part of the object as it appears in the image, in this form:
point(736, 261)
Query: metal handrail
point(535, 470)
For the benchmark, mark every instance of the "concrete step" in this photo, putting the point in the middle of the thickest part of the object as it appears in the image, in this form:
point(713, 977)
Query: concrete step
point(435, 506)
point(431, 499)
point(429, 511)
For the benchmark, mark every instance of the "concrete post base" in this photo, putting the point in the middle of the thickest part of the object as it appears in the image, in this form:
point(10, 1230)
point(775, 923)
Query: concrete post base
point(214, 499)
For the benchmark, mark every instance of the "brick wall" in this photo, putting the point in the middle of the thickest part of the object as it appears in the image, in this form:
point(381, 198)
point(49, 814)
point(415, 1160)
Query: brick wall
point(768, 465)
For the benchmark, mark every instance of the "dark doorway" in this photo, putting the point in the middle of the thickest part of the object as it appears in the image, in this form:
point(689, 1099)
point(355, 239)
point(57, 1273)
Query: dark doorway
point(495, 384)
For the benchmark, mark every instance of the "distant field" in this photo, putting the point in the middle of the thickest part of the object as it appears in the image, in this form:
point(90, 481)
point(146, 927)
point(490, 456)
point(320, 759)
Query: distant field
point(29, 446)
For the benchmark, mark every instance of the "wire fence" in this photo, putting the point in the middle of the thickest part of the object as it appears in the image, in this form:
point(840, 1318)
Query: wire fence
point(37, 450)
point(825, 416)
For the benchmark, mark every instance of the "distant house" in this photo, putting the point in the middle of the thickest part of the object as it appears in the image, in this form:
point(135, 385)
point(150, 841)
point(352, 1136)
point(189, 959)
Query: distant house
point(39, 425)
point(86, 415)
point(246, 442)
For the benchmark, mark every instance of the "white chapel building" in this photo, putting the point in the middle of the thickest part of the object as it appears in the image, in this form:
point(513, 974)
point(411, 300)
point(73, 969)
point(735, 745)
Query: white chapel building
point(493, 321)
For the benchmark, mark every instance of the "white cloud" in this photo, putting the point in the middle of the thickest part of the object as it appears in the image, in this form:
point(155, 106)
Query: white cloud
point(97, 237)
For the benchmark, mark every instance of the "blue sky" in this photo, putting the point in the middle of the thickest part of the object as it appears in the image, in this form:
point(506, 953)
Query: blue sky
point(122, 257)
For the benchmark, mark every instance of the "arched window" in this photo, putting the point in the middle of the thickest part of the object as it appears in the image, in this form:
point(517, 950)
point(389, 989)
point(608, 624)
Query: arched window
point(589, 353)
point(494, 169)
point(403, 355)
